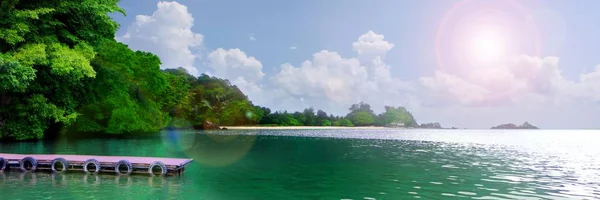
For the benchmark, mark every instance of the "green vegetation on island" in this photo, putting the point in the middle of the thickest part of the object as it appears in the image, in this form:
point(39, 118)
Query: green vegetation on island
point(431, 126)
point(62, 71)
point(360, 115)
point(525, 125)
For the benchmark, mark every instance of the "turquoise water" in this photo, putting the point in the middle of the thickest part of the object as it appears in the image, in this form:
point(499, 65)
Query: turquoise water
point(331, 164)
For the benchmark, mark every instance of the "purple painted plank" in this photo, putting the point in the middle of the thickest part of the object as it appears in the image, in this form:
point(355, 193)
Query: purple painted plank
point(83, 158)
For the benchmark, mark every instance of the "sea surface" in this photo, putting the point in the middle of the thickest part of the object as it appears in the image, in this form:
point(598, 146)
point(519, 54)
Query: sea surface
point(331, 164)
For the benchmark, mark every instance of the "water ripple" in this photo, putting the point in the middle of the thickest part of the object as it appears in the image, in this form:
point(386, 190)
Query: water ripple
point(335, 164)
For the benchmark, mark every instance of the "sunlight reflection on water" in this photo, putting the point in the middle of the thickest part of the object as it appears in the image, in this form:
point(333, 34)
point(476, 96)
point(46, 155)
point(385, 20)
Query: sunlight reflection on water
point(334, 164)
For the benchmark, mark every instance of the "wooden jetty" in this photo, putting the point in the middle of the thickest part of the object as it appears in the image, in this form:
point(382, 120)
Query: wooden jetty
point(120, 165)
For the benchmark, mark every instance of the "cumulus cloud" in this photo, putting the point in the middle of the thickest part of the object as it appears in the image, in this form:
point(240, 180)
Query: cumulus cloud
point(328, 74)
point(243, 70)
point(525, 88)
point(252, 89)
point(453, 88)
point(589, 87)
point(372, 43)
point(512, 82)
point(167, 33)
point(234, 63)
point(329, 79)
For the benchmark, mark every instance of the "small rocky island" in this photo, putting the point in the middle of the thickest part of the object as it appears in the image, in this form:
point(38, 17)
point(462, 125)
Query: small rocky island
point(431, 126)
point(525, 125)
point(434, 125)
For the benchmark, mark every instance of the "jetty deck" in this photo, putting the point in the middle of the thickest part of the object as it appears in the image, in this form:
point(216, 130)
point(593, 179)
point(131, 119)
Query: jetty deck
point(173, 166)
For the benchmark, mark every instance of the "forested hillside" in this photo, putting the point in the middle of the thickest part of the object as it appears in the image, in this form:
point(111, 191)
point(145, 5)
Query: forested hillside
point(61, 71)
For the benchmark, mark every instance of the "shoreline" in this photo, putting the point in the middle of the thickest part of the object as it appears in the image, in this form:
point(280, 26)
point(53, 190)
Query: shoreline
point(305, 127)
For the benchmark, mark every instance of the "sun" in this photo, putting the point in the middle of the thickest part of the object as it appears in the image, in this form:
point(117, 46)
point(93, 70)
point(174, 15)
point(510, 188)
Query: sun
point(488, 45)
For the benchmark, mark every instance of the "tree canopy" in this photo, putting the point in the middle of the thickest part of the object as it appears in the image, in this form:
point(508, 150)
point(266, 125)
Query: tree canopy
point(46, 49)
point(62, 72)
point(398, 115)
point(361, 114)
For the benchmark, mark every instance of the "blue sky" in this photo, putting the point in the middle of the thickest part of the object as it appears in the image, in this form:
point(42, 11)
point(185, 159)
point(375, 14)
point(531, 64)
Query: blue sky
point(295, 54)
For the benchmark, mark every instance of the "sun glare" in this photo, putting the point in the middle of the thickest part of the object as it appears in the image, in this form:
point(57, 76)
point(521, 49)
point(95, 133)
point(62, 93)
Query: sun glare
point(488, 45)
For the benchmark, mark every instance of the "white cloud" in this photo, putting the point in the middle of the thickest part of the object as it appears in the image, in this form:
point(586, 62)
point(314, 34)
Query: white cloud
point(333, 82)
point(526, 88)
point(234, 63)
point(589, 86)
point(252, 89)
point(453, 88)
point(167, 33)
point(372, 43)
point(243, 70)
point(328, 75)
point(513, 82)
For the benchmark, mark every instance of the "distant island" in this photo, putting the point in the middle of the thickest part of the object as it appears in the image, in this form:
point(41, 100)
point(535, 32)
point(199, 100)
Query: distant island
point(431, 126)
point(525, 125)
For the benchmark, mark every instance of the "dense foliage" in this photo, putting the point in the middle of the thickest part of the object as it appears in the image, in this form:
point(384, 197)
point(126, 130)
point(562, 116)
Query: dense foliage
point(360, 115)
point(46, 48)
point(61, 71)
point(193, 101)
point(308, 117)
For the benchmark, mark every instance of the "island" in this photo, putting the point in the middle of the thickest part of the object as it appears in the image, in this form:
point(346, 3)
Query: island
point(431, 126)
point(525, 125)
point(435, 125)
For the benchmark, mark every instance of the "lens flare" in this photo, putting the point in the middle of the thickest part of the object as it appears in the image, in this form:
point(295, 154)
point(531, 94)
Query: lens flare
point(249, 115)
point(478, 36)
point(488, 45)
point(219, 149)
point(177, 140)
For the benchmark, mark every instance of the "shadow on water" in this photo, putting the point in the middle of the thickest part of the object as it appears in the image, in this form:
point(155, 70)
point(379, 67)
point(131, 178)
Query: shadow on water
point(84, 186)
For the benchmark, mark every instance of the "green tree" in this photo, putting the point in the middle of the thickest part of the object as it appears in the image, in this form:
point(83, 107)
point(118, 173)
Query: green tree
point(361, 107)
point(398, 115)
point(300, 117)
point(289, 120)
point(361, 114)
point(123, 98)
point(46, 49)
point(175, 99)
point(345, 122)
point(210, 99)
point(322, 117)
point(362, 119)
point(310, 119)
point(267, 116)
point(240, 113)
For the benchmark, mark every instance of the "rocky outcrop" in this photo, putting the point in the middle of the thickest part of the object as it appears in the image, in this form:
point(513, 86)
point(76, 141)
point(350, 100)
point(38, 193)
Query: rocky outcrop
point(525, 125)
point(208, 125)
point(505, 126)
point(431, 126)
